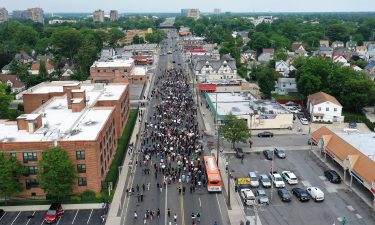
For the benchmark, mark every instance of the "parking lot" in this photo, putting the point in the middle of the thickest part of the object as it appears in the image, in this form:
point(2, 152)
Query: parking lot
point(339, 201)
point(79, 217)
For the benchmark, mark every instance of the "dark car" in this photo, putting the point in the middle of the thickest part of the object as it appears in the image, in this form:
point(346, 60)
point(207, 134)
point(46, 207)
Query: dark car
point(173, 61)
point(352, 125)
point(54, 212)
point(301, 194)
point(265, 134)
point(239, 153)
point(1, 213)
point(332, 176)
point(280, 153)
point(284, 195)
point(268, 154)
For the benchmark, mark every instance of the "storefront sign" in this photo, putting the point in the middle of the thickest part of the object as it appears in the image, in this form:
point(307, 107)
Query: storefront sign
point(267, 117)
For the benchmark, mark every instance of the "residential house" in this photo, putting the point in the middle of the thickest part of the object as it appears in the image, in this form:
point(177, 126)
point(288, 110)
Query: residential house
point(107, 53)
point(324, 108)
point(44, 58)
point(216, 69)
point(337, 44)
point(324, 43)
point(341, 60)
point(264, 58)
point(67, 71)
point(285, 86)
point(284, 68)
point(370, 52)
point(14, 82)
point(34, 70)
point(6, 69)
point(324, 52)
point(23, 58)
point(361, 51)
point(245, 36)
point(269, 51)
point(342, 51)
point(298, 49)
point(248, 56)
point(351, 45)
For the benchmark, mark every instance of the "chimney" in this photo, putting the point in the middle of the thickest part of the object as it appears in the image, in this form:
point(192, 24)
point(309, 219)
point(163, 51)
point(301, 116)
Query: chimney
point(77, 100)
point(29, 122)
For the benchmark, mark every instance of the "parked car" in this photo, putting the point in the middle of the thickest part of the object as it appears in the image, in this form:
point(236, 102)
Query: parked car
point(284, 195)
point(239, 152)
point(332, 176)
point(265, 181)
point(265, 134)
point(353, 125)
point(315, 193)
point(301, 194)
point(268, 154)
point(279, 152)
point(54, 212)
point(254, 180)
point(290, 177)
point(293, 109)
point(277, 179)
point(304, 121)
point(1, 213)
point(262, 197)
point(247, 196)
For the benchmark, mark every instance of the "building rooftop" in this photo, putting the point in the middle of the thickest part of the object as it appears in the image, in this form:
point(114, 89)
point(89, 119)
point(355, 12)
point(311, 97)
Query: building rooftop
point(243, 104)
point(139, 71)
point(114, 63)
point(363, 142)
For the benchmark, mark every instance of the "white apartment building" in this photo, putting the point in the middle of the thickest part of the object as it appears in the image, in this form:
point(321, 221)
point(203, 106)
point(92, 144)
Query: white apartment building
point(324, 108)
point(216, 69)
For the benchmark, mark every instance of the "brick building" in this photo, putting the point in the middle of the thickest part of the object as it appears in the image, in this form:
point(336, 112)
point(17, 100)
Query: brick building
point(82, 118)
point(114, 71)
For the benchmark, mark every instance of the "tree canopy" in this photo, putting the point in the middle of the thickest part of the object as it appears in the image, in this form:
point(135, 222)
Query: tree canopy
point(235, 129)
point(10, 172)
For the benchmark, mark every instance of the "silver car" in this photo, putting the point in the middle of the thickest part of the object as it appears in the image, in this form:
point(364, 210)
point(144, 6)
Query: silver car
point(262, 197)
point(265, 181)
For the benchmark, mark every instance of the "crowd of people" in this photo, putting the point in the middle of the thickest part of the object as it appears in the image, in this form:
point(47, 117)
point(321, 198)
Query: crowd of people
point(171, 151)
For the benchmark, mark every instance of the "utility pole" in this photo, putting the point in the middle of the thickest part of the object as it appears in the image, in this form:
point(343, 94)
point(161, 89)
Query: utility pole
point(228, 201)
point(273, 155)
point(218, 145)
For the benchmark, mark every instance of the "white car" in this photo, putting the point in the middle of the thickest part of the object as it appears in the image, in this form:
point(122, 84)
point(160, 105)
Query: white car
point(304, 121)
point(290, 177)
point(277, 179)
point(248, 196)
point(292, 109)
point(315, 193)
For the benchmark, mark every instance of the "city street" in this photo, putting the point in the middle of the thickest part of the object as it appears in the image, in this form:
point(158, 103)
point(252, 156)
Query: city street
point(211, 206)
point(339, 202)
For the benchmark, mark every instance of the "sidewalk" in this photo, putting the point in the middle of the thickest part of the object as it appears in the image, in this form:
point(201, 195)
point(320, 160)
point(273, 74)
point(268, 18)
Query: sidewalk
point(24, 208)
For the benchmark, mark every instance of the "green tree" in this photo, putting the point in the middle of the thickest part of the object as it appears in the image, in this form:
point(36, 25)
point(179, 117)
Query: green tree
point(41, 46)
point(115, 35)
point(259, 41)
point(10, 172)
point(66, 42)
point(308, 84)
point(138, 40)
point(4, 102)
point(43, 74)
point(266, 79)
point(337, 32)
point(86, 55)
point(56, 173)
point(235, 129)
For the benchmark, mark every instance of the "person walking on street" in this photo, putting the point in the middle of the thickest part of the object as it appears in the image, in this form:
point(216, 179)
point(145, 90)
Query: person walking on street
point(175, 218)
point(169, 213)
point(135, 215)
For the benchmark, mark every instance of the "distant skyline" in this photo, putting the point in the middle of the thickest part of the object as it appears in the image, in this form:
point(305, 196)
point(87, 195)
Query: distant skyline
point(204, 5)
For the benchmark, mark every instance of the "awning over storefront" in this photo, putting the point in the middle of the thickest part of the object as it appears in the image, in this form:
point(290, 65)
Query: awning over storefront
point(207, 87)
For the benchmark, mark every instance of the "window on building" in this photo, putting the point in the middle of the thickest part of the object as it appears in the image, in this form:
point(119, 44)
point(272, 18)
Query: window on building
point(80, 155)
point(284, 85)
point(81, 168)
point(98, 71)
point(30, 156)
point(319, 108)
point(31, 183)
point(13, 154)
point(335, 109)
point(33, 170)
point(327, 109)
point(82, 181)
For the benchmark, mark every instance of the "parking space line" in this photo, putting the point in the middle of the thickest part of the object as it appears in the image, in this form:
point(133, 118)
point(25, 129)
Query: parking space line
point(58, 221)
point(89, 216)
point(16, 218)
point(358, 216)
point(42, 222)
point(3, 216)
point(28, 221)
point(75, 216)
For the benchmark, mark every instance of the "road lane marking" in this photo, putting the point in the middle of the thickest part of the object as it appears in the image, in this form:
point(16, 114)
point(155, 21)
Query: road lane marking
point(28, 221)
point(200, 203)
point(358, 216)
point(89, 216)
point(3, 216)
point(350, 207)
point(182, 207)
point(15, 218)
point(58, 221)
point(166, 202)
point(75, 216)
point(218, 203)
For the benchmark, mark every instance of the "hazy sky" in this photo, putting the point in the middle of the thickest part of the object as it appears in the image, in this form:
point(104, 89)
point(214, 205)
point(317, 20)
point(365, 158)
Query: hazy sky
point(203, 5)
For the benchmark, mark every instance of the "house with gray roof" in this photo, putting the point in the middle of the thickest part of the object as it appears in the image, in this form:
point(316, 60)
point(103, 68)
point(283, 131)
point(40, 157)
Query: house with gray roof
point(215, 69)
point(324, 51)
point(285, 86)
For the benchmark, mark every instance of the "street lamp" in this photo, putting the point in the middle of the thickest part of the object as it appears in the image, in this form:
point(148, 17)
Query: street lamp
point(228, 200)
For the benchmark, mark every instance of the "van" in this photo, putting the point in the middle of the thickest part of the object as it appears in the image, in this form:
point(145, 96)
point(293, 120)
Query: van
point(254, 180)
point(248, 196)
point(315, 193)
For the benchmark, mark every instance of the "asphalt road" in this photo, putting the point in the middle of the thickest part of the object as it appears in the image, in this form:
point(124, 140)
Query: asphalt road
point(338, 202)
point(71, 217)
point(211, 206)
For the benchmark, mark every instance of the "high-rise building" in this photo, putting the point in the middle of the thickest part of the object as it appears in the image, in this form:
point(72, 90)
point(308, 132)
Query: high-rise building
point(19, 14)
point(113, 15)
point(193, 13)
point(3, 15)
point(184, 12)
point(35, 14)
point(217, 11)
point(98, 16)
